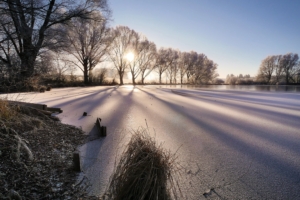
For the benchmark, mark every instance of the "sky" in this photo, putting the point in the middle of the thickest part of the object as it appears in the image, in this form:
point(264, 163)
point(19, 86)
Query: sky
point(235, 34)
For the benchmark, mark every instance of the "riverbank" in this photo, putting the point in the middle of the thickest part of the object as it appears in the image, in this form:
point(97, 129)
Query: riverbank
point(36, 155)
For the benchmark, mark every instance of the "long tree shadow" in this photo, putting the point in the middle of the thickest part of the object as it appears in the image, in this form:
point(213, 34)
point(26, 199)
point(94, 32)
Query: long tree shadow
point(267, 111)
point(252, 97)
point(268, 159)
point(281, 140)
point(98, 154)
point(87, 99)
point(83, 95)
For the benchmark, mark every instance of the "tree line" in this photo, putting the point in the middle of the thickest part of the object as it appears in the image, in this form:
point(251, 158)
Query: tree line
point(280, 69)
point(44, 36)
point(197, 68)
point(239, 80)
point(274, 69)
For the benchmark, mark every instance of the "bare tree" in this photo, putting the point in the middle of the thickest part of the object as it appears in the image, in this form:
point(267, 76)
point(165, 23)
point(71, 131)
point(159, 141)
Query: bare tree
point(289, 62)
point(6, 50)
point(147, 58)
point(61, 66)
point(133, 56)
point(88, 41)
point(231, 79)
point(198, 68)
point(123, 36)
point(190, 62)
point(175, 65)
point(46, 63)
point(182, 64)
point(100, 75)
point(186, 62)
point(204, 70)
point(279, 67)
point(210, 71)
point(172, 64)
point(278, 71)
point(295, 73)
point(164, 61)
point(26, 23)
point(161, 62)
point(142, 57)
point(267, 68)
point(9, 61)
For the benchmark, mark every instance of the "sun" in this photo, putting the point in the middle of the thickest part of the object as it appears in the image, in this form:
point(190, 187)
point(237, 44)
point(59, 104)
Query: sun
point(129, 56)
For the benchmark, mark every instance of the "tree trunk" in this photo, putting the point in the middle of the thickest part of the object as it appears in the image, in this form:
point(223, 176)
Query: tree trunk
point(85, 77)
point(287, 76)
point(27, 65)
point(121, 77)
point(188, 78)
point(133, 78)
point(85, 73)
point(90, 76)
point(143, 78)
point(160, 78)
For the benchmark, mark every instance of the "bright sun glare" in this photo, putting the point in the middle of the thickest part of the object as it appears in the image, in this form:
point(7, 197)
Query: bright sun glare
point(129, 56)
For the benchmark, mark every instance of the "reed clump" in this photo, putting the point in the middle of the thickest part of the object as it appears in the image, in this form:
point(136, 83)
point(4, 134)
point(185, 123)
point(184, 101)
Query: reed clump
point(7, 111)
point(145, 171)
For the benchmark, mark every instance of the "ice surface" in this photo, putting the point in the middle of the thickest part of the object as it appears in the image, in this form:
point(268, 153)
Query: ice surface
point(243, 144)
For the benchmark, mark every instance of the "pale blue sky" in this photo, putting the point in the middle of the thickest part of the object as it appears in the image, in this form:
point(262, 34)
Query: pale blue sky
point(236, 34)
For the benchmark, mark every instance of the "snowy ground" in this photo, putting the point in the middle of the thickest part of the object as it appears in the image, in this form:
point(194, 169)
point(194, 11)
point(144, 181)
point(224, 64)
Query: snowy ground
point(244, 144)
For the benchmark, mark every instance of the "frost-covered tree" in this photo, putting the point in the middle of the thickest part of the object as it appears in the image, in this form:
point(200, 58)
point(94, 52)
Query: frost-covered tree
point(172, 63)
point(146, 58)
point(87, 42)
point(26, 24)
point(231, 79)
point(191, 61)
point(279, 73)
point(133, 56)
point(289, 64)
point(267, 68)
point(280, 68)
point(120, 47)
point(162, 62)
point(186, 62)
point(200, 69)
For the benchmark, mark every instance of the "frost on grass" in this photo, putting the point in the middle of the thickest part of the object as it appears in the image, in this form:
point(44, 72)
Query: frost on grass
point(145, 171)
point(36, 155)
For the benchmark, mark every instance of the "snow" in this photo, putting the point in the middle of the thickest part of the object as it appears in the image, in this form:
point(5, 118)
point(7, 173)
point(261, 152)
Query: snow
point(244, 144)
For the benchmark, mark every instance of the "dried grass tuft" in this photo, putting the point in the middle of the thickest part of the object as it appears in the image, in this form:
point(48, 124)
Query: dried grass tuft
point(42, 89)
point(7, 111)
point(49, 88)
point(145, 171)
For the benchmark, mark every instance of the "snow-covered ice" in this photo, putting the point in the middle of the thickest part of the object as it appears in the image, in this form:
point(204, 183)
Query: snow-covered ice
point(244, 144)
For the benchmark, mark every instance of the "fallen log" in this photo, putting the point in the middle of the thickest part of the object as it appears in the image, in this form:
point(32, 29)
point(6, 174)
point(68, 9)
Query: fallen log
point(51, 109)
point(32, 105)
point(45, 112)
point(41, 107)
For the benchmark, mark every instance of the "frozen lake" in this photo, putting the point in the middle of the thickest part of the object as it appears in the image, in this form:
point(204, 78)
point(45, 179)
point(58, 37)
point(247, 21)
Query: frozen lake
point(271, 88)
point(243, 143)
